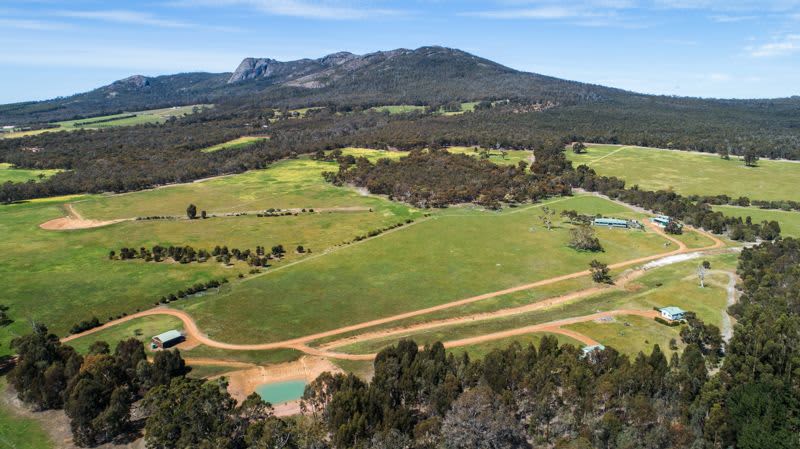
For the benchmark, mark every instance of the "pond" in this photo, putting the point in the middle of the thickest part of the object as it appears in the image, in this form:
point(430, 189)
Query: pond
point(280, 392)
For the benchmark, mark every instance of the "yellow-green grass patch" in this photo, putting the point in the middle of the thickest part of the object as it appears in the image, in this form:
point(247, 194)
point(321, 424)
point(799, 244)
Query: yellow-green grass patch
point(142, 329)
point(693, 239)
point(789, 220)
point(9, 173)
point(691, 173)
point(234, 144)
point(19, 432)
point(296, 183)
point(445, 258)
point(265, 357)
point(399, 108)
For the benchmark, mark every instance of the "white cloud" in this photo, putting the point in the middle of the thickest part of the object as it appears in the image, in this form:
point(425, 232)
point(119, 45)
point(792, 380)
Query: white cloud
point(719, 77)
point(37, 25)
point(309, 9)
point(725, 18)
point(546, 12)
point(786, 45)
point(123, 16)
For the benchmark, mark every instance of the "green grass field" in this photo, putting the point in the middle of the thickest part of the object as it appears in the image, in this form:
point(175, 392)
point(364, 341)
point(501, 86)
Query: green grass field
point(631, 334)
point(287, 184)
point(123, 119)
point(692, 173)
point(455, 254)
point(234, 144)
point(512, 157)
point(17, 432)
point(789, 220)
point(9, 173)
point(671, 285)
point(60, 278)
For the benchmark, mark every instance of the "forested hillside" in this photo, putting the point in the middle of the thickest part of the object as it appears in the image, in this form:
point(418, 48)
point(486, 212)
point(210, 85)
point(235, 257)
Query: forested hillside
point(515, 104)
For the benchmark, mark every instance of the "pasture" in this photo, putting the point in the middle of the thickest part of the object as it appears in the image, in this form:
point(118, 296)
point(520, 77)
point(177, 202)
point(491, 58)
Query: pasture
point(458, 253)
point(142, 329)
point(789, 220)
point(9, 173)
point(672, 285)
point(691, 173)
point(60, 278)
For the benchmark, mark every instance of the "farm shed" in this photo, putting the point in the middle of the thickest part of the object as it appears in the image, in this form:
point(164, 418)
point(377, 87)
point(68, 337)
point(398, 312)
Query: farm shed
point(661, 220)
point(611, 222)
point(166, 340)
point(672, 313)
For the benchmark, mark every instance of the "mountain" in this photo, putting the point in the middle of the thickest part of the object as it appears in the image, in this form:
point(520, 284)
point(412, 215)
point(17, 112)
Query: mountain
point(425, 76)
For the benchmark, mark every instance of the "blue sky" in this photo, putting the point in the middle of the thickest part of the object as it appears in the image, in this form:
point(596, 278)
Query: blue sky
point(709, 48)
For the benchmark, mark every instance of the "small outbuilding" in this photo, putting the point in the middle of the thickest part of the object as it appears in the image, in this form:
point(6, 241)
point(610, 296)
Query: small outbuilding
point(166, 340)
point(672, 313)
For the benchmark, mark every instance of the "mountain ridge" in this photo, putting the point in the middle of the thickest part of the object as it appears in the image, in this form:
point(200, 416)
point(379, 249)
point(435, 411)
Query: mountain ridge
point(428, 75)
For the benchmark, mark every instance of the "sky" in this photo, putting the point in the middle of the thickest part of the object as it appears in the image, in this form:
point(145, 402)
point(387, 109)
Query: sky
point(705, 48)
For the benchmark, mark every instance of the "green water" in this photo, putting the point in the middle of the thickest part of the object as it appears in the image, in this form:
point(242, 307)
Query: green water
point(280, 392)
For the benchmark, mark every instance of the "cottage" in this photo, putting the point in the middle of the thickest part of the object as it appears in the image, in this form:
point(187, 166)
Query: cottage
point(166, 340)
point(672, 313)
point(589, 350)
point(611, 222)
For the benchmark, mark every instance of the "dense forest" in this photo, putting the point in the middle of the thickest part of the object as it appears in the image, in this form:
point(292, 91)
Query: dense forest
point(744, 394)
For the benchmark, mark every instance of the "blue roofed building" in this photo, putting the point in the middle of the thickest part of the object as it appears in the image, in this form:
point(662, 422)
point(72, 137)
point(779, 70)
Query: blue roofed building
point(661, 220)
point(672, 313)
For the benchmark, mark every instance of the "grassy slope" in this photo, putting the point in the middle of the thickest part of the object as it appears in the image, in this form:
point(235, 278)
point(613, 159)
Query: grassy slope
point(234, 144)
point(457, 254)
point(18, 432)
point(691, 173)
point(789, 220)
point(8, 173)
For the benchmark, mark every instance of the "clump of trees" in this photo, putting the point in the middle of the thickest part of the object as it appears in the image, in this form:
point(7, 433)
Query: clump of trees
point(5, 320)
point(437, 178)
point(601, 274)
point(187, 254)
point(583, 238)
point(97, 390)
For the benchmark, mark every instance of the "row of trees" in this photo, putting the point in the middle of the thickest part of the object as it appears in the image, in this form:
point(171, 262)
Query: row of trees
point(187, 254)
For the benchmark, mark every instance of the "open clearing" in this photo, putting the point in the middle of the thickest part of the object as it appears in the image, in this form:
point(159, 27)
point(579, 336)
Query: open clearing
point(9, 173)
point(234, 144)
point(693, 173)
point(789, 220)
point(17, 431)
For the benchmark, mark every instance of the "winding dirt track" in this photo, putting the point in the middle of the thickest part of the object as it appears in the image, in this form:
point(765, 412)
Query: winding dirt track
point(301, 343)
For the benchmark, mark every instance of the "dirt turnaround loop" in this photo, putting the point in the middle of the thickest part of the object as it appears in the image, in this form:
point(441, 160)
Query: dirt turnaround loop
point(74, 220)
